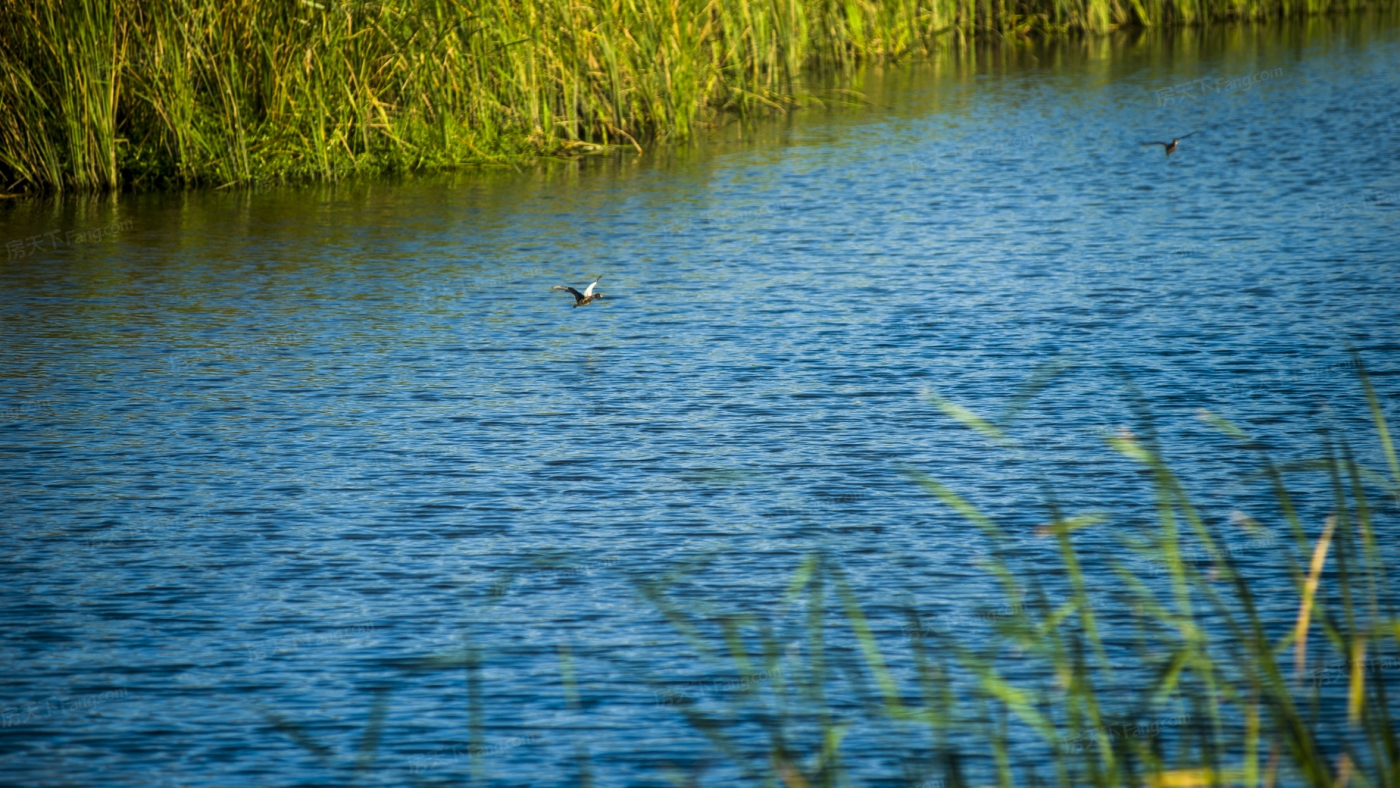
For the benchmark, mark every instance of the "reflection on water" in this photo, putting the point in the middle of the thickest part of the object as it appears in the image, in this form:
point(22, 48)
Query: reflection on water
point(263, 450)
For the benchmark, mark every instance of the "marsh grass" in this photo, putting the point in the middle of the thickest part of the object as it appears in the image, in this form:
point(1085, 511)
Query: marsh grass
point(1212, 671)
point(99, 94)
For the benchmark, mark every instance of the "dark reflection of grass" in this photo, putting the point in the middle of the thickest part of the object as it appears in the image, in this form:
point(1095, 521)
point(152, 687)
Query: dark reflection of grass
point(1083, 677)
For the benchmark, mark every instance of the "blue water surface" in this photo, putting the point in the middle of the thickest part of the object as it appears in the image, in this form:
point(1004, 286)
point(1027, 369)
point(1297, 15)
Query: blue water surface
point(265, 454)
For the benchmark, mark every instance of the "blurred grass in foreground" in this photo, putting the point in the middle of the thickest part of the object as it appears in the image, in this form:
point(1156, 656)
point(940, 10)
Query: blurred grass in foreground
point(100, 94)
point(1187, 676)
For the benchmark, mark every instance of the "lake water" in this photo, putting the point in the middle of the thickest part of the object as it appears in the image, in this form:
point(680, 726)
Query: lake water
point(263, 452)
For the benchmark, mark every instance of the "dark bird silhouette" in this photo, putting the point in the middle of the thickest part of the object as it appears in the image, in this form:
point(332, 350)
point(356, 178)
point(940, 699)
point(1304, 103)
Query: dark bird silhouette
point(1170, 146)
point(584, 298)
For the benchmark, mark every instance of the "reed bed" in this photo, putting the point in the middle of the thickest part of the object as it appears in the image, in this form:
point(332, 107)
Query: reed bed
point(1268, 663)
point(102, 95)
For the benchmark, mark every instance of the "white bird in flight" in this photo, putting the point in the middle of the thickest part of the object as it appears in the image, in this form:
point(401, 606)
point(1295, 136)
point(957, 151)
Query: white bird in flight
point(584, 298)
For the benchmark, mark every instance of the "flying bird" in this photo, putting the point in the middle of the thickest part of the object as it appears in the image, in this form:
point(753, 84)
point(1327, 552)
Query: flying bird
point(1170, 146)
point(584, 298)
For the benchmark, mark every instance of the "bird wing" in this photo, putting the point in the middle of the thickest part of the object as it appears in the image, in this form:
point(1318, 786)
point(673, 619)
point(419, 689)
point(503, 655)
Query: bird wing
point(576, 293)
point(591, 285)
point(1163, 144)
point(1184, 136)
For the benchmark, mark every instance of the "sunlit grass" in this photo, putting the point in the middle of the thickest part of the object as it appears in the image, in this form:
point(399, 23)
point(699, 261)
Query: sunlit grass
point(102, 95)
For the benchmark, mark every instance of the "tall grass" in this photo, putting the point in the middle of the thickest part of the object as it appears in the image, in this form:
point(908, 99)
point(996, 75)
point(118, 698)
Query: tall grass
point(99, 94)
point(1197, 680)
point(1207, 670)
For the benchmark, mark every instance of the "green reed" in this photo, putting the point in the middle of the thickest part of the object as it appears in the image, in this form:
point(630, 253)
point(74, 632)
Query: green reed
point(98, 94)
point(1208, 655)
point(1236, 681)
point(1216, 683)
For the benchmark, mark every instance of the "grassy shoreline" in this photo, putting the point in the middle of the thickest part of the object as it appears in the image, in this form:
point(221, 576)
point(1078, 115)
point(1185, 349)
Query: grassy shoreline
point(104, 95)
